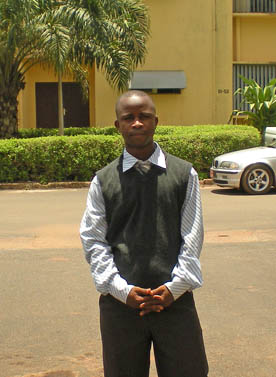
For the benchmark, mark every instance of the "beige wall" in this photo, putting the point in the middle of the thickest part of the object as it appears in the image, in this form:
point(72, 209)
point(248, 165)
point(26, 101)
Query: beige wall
point(254, 38)
point(195, 37)
point(182, 40)
point(223, 97)
point(104, 102)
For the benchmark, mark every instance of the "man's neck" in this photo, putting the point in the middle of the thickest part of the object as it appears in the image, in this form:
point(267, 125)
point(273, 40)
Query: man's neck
point(141, 153)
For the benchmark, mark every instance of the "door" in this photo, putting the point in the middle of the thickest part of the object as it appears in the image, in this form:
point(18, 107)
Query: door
point(76, 111)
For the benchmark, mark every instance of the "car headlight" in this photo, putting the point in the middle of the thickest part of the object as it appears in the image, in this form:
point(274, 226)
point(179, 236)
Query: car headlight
point(229, 165)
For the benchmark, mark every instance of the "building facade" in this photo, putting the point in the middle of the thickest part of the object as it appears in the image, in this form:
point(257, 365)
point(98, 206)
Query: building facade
point(196, 52)
point(254, 32)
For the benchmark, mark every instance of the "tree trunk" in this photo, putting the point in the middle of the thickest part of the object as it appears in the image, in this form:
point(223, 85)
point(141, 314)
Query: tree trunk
point(8, 116)
point(60, 107)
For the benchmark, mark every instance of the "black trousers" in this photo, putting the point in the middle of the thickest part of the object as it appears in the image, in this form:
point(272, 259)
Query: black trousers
point(175, 334)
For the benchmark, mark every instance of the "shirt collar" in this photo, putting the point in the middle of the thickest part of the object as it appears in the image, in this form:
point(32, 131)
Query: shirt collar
point(157, 158)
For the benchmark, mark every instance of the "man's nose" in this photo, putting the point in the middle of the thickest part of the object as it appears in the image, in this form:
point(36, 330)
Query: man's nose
point(137, 123)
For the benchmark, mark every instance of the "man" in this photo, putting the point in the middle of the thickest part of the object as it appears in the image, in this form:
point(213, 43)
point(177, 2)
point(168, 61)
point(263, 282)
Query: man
point(142, 235)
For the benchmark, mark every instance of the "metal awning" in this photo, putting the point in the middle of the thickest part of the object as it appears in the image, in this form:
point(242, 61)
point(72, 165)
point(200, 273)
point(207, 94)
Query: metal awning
point(158, 80)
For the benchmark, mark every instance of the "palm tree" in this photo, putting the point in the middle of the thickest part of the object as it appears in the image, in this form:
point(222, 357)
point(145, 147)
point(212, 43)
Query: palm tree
point(69, 36)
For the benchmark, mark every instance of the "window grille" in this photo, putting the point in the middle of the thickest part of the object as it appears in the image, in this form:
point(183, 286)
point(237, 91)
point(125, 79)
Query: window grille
point(261, 73)
point(254, 6)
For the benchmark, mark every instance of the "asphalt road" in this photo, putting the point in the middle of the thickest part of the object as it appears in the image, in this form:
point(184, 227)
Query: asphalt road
point(49, 307)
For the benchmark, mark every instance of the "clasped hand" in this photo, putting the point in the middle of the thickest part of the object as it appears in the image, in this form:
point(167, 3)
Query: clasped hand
point(149, 300)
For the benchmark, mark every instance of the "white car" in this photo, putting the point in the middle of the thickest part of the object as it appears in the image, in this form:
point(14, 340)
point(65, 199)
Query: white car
point(253, 169)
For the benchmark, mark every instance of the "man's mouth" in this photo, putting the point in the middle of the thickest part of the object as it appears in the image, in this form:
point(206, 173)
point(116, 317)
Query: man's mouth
point(137, 134)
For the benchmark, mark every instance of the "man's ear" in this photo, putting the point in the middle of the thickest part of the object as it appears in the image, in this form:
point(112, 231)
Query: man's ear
point(116, 123)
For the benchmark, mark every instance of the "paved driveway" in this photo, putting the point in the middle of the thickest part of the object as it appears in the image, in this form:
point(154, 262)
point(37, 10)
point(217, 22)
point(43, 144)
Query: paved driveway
point(48, 304)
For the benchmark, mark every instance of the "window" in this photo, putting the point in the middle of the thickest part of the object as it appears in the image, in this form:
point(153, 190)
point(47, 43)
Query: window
point(261, 73)
point(254, 6)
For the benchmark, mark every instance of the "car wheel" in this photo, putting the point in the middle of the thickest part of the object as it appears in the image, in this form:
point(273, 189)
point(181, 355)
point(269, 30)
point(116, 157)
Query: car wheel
point(257, 179)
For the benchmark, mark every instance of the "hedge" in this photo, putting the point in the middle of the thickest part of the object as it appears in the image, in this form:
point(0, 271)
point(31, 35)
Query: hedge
point(71, 131)
point(77, 158)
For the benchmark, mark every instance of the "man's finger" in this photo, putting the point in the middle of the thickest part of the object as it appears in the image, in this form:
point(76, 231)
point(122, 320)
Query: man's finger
point(143, 291)
point(159, 291)
point(154, 308)
point(157, 297)
point(164, 294)
point(137, 296)
point(151, 302)
point(151, 299)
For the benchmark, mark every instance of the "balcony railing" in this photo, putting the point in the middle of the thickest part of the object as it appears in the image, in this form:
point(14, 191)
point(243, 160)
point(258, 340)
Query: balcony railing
point(254, 6)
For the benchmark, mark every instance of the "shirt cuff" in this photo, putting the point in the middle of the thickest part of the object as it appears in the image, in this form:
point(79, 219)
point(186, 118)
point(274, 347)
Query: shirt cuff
point(177, 287)
point(120, 288)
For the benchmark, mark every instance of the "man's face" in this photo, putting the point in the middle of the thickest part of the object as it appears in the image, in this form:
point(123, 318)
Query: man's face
point(136, 121)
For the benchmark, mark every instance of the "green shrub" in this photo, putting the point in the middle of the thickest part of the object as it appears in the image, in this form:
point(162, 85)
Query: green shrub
point(201, 144)
point(77, 158)
point(57, 158)
point(27, 133)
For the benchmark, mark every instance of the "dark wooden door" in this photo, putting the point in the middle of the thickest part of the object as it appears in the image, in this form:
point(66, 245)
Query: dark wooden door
point(46, 105)
point(76, 111)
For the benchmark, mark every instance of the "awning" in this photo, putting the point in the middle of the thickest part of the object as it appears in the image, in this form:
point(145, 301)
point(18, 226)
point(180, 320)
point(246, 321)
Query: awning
point(158, 80)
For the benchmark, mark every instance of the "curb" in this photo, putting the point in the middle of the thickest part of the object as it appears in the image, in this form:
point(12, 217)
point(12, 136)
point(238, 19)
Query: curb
point(206, 182)
point(62, 185)
point(39, 186)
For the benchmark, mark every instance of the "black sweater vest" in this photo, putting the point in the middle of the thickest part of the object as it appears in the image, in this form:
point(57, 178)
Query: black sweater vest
point(143, 214)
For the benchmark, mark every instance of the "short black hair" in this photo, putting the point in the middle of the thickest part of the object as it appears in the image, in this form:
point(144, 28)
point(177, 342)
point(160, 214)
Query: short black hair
point(131, 93)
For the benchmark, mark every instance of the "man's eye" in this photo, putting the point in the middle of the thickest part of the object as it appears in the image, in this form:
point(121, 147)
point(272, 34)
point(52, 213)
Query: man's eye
point(128, 117)
point(145, 116)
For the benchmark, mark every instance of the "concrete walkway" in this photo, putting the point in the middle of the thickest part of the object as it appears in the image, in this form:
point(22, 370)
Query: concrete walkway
point(49, 307)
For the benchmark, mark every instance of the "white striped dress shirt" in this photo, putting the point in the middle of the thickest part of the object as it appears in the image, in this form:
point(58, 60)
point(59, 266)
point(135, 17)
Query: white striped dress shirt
point(186, 274)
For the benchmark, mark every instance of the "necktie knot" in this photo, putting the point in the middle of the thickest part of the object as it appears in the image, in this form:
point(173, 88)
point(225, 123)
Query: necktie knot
point(142, 166)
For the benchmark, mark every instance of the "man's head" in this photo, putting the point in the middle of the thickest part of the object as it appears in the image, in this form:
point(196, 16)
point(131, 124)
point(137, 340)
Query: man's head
point(136, 121)
point(133, 93)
